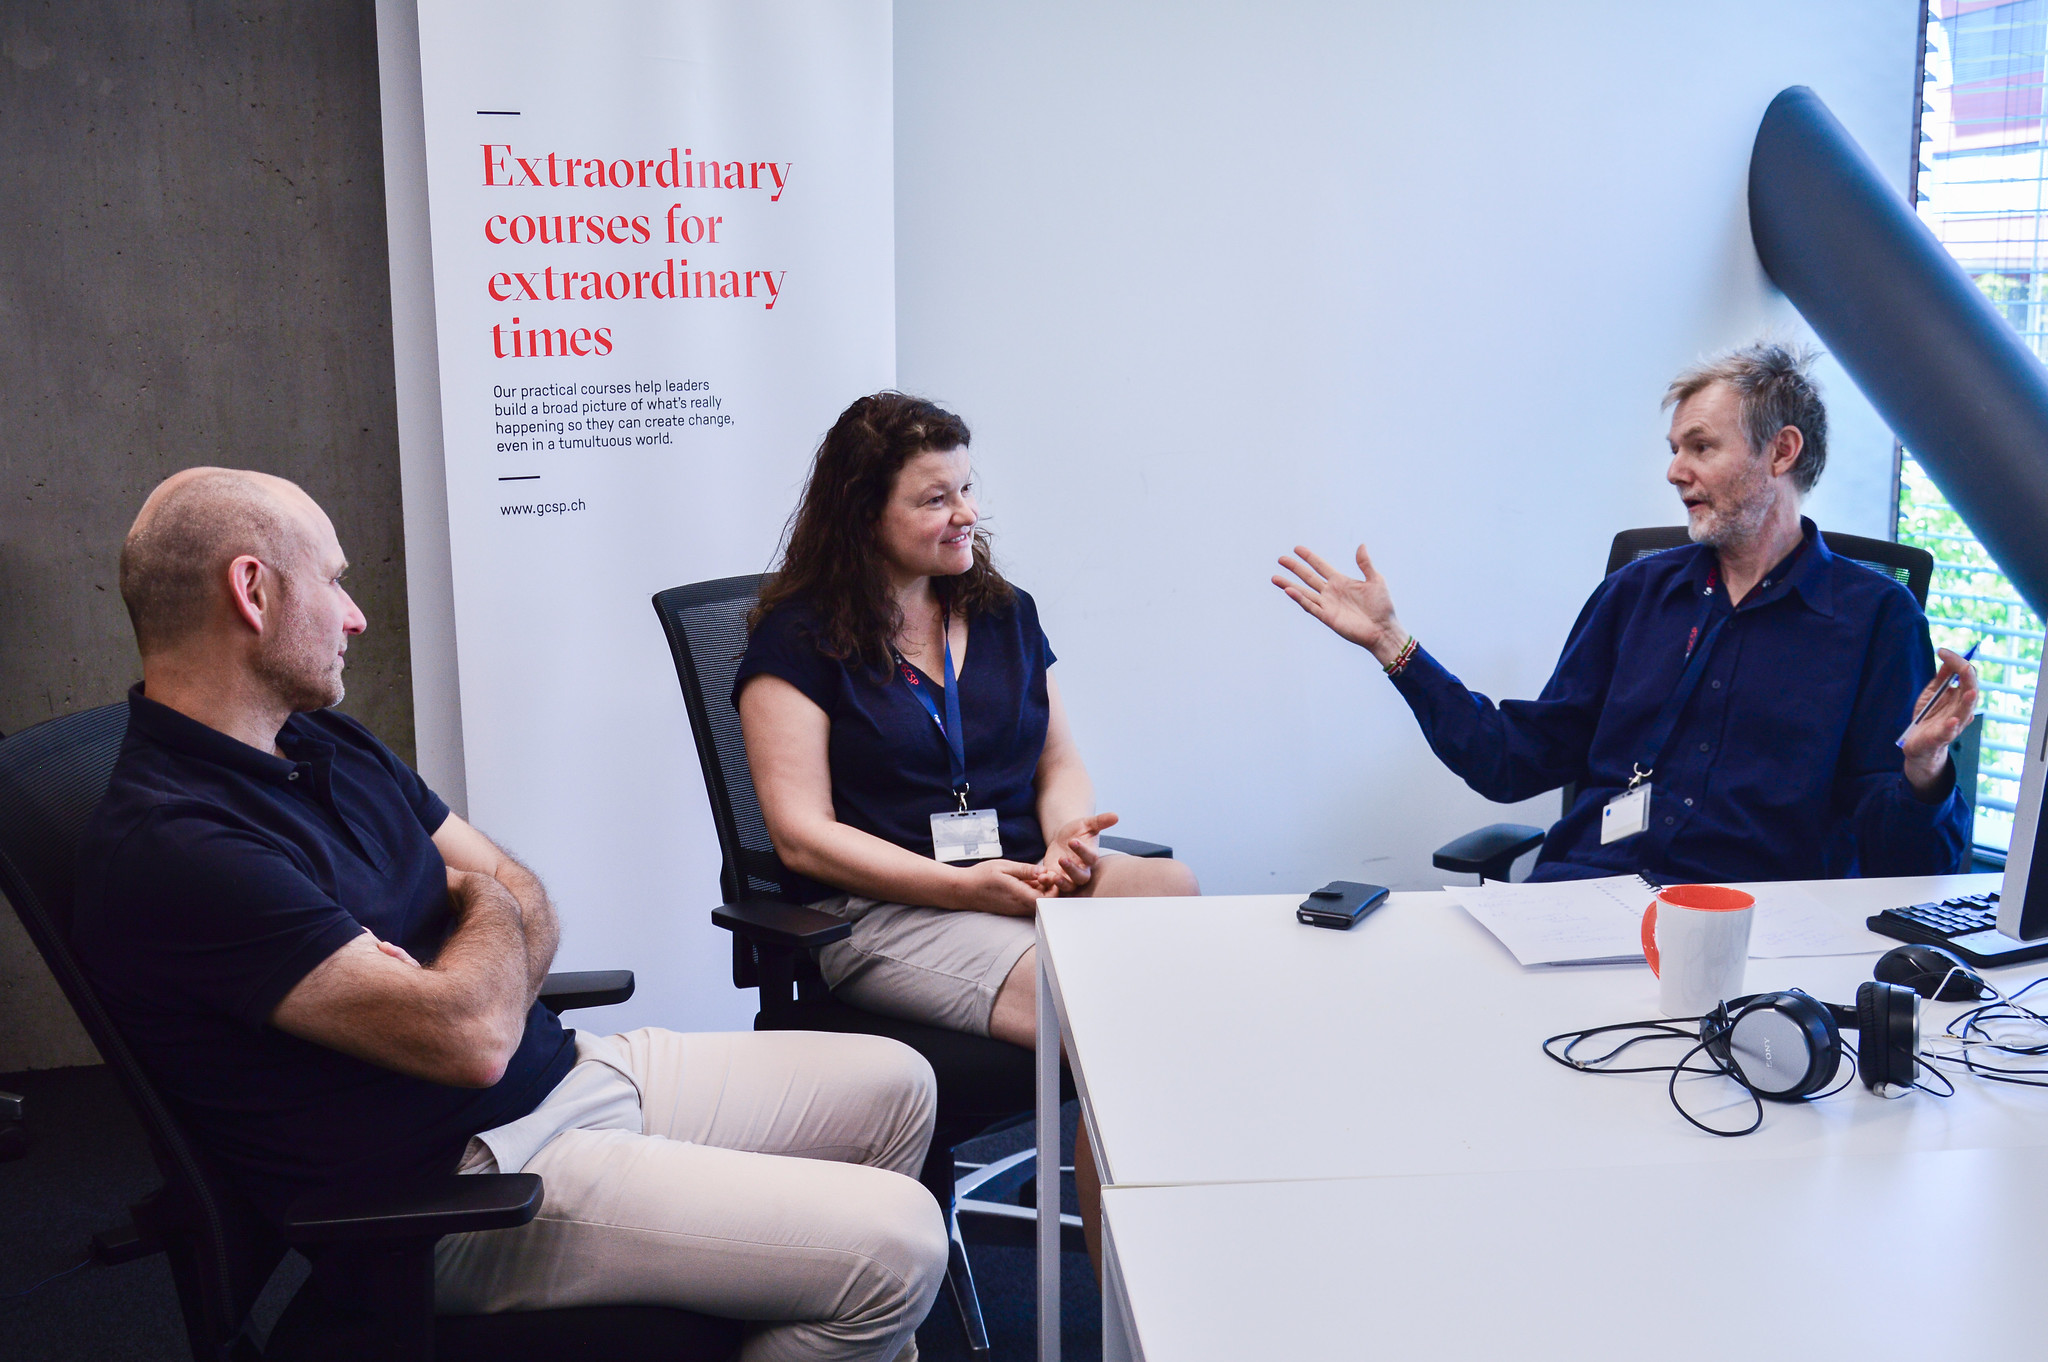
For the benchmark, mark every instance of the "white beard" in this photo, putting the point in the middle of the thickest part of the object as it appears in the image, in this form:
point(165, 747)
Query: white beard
point(1734, 524)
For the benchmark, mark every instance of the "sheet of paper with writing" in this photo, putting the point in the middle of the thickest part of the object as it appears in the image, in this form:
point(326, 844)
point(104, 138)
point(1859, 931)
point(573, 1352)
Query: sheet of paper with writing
point(1791, 921)
point(1564, 922)
point(1587, 922)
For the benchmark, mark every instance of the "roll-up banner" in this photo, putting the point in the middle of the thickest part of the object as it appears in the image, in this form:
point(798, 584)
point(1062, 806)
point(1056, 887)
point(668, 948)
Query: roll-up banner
point(663, 261)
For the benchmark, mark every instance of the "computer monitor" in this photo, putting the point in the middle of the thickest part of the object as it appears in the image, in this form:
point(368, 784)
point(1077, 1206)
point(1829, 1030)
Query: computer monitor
point(2023, 901)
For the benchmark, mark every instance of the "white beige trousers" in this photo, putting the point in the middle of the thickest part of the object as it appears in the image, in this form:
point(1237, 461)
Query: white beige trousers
point(774, 1178)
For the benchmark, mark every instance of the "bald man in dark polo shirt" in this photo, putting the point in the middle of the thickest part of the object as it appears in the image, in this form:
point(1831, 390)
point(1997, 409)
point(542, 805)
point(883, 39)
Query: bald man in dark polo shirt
point(333, 979)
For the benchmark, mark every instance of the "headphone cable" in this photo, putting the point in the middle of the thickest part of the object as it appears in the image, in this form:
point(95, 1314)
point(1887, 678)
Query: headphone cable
point(1671, 1091)
point(1970, 1032)
point(1663, 1029)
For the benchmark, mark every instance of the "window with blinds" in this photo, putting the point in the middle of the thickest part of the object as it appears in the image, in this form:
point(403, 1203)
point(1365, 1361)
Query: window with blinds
point(1981, 183)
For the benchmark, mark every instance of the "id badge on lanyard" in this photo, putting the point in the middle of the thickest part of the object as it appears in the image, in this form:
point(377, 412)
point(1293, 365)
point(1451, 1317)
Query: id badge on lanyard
point(1628, 813)
point(961, 834)
point(972, 835)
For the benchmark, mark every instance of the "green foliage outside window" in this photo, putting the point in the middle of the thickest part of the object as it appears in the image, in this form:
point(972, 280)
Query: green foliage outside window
point(1972, 600)
point(1980, 183)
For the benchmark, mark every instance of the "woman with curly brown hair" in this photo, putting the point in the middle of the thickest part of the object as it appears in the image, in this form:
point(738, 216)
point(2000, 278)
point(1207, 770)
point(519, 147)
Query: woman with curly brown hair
point(906, 735)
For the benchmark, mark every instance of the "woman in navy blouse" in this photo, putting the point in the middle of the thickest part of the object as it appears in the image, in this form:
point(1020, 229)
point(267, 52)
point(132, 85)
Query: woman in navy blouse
point(843, 698)
point(893, 681)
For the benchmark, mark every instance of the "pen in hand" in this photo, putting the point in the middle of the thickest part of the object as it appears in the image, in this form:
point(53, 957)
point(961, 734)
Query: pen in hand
point(1935, 698)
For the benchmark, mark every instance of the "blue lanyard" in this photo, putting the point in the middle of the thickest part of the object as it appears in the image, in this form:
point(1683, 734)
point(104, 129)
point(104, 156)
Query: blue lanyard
point(1698, 645)
point(949, 726)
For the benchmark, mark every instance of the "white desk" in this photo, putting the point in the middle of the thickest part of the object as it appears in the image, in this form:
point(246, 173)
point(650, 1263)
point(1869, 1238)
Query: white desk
point(1218, 1040)
point(1926, 1255)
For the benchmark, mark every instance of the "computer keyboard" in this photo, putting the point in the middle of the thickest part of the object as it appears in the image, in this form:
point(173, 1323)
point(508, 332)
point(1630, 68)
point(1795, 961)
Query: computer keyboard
point(1951, 917)
point(1967, 925)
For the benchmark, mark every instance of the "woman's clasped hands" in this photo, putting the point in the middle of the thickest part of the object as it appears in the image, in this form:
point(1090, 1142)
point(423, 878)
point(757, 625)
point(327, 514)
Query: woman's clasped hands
point(1013, 888)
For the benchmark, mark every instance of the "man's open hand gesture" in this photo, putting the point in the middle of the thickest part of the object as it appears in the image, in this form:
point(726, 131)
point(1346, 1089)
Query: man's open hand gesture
point(1358, 608)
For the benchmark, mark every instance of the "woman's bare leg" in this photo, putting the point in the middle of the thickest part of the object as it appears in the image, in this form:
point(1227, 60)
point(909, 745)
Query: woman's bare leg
point(1140, 877)
point(1015, 1015)
point(1015, 1019)
point(1088, 1189)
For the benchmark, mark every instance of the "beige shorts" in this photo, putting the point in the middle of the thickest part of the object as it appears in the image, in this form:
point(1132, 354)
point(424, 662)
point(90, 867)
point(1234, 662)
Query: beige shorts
point(933, 965)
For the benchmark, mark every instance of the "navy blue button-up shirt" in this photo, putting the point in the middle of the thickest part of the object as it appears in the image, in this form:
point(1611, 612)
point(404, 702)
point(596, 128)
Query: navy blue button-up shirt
point(1784, 762)
point(212, 879)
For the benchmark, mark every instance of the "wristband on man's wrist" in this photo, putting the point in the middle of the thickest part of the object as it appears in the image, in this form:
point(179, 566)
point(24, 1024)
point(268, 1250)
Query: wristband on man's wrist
point(1402, 658)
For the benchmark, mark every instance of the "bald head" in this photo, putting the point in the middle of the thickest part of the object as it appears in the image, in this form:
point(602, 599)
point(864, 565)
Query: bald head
point(174, 561)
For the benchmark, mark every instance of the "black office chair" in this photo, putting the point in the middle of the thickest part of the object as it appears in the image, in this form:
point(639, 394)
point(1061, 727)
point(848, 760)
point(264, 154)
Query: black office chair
point(1491, 852)
point(982, 1083)
point(371, 1293)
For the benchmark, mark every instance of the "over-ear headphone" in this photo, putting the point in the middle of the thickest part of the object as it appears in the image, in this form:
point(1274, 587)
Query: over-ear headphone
point(1788, 1046)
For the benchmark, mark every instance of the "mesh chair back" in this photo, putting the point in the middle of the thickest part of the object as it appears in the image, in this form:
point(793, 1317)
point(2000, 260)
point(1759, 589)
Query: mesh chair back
point(706, 624)
point(52, 777)
point(1910, 567)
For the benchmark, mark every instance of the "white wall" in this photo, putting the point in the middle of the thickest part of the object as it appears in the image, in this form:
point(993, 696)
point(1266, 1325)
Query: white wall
point(1209, 280)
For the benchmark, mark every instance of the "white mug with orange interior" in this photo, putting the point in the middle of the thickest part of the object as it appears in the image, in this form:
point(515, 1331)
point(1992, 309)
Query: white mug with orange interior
point(1696, 937)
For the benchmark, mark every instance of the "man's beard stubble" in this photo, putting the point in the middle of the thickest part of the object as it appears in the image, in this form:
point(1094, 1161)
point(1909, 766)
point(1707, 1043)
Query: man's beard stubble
point(300, 670)
point(1737, 523)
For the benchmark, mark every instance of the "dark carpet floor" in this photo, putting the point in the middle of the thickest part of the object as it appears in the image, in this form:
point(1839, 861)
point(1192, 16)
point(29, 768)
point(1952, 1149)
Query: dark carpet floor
point(88, 1160)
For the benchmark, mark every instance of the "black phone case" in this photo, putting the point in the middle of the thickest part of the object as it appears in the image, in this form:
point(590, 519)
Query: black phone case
point(1340, 904)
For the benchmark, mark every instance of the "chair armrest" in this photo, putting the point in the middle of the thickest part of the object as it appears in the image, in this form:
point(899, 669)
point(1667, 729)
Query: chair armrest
point(585, 988)
point(426, 1210)
point(766, 922)
point(1131, 846)
point(1490, 852)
